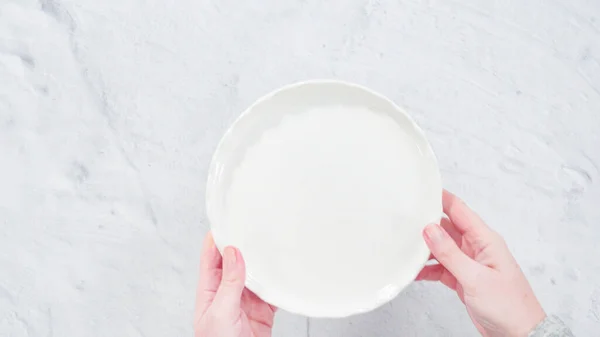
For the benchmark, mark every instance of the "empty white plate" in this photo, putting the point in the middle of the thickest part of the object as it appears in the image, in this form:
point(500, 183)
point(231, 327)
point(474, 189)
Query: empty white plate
point(325, 187)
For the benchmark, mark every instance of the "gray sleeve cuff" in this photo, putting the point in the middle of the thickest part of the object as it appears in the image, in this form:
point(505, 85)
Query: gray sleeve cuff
point(552, 326)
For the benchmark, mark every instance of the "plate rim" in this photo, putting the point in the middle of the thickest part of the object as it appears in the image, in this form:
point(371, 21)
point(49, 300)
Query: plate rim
point(391, 290)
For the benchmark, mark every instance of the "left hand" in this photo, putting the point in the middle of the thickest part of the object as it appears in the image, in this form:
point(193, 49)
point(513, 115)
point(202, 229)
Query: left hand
point(224, 307)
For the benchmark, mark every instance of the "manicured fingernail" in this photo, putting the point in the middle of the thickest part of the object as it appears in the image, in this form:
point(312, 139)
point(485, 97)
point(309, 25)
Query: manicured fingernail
point(434, 232)
point(230, 256)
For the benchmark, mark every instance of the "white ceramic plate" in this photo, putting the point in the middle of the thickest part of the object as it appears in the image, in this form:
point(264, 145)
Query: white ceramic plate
point(325, 187)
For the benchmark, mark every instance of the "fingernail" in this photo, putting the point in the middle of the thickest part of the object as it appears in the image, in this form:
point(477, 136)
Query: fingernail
point(230, 256)
point(434, 232)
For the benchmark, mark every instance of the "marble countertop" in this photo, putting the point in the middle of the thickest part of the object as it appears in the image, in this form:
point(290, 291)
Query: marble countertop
point(110, 111)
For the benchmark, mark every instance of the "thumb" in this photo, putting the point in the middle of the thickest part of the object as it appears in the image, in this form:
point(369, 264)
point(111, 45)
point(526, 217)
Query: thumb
point(233, 281)
point(449, 255)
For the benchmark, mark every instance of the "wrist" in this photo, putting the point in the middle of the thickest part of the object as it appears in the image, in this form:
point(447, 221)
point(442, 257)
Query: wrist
point(529, 323)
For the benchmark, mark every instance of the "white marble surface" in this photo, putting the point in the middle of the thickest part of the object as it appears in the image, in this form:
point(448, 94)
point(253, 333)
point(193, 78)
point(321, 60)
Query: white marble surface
point(110, 111)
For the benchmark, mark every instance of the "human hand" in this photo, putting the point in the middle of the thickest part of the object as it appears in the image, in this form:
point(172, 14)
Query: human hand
point(475, 262)
point(224, 307)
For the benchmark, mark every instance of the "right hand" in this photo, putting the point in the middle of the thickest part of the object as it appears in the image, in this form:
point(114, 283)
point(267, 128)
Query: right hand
point(475, 262)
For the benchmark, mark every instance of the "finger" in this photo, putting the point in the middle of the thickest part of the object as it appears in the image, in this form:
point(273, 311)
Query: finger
point(465, 220)
point(452, 231)
point(254, 300)
point(448, 254)
point(233, 281)
point(437, 272)
point(257, 309)
point(210, 274)
point(431, 273)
